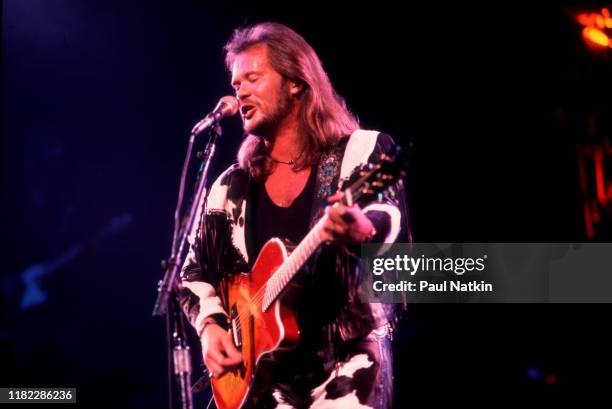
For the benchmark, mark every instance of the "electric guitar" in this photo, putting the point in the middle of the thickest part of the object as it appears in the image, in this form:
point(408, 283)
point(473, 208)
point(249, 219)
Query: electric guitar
point(261, 325)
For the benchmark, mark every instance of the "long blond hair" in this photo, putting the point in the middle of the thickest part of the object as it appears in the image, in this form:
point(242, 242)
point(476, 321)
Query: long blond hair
point(324, 118)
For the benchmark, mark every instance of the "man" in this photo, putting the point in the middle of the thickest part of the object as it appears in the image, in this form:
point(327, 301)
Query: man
point(301, 142)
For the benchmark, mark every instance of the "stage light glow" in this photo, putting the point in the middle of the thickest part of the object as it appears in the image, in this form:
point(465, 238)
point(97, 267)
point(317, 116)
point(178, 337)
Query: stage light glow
point(596, 28)
point(596, 36)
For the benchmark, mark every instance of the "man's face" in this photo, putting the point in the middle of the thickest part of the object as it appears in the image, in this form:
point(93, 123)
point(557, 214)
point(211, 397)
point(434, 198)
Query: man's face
point(261, 91)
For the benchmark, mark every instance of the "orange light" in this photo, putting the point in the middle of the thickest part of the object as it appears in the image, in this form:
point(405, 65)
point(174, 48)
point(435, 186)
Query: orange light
point(596, 25)
point(596, 36)
point(584, 19)
point(602, 20)
point(600, 176)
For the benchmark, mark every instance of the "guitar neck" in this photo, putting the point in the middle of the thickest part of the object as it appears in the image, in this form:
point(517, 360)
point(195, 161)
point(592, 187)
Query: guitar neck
point(283, 275)
point(372, 180)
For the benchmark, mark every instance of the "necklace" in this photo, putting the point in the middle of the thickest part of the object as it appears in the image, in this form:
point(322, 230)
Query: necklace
point(290, 162)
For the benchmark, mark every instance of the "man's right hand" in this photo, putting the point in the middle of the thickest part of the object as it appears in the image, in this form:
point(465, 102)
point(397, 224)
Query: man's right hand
point(218, 350)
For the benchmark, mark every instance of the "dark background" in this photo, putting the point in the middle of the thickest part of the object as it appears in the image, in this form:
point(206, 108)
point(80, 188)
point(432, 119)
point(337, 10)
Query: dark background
point(97, 102)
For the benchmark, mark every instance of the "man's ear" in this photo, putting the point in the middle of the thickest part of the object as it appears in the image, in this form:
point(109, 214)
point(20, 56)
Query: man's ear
point(295, 88)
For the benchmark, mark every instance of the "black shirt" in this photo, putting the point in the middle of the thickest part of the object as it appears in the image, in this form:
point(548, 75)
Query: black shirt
point(290, 223)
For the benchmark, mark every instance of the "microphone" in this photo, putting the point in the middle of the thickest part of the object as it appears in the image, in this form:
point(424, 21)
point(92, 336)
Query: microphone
point(227, 106)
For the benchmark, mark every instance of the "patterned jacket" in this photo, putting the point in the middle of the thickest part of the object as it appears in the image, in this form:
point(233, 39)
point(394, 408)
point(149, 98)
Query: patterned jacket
point(219, 242)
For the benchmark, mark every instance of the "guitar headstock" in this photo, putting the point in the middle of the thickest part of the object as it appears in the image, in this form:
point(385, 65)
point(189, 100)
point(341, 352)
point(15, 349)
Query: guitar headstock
point(374, 179)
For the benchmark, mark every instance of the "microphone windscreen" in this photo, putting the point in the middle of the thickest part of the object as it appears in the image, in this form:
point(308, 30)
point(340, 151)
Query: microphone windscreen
point(230, 105)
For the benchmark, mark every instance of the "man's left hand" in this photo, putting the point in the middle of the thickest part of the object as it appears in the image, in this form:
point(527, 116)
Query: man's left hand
point(346, 224)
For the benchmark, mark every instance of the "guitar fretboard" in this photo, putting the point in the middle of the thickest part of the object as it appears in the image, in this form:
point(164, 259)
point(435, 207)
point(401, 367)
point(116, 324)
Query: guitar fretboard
point(283, 275)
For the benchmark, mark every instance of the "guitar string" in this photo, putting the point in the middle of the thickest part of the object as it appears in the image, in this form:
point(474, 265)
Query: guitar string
point(258, 297)
point(260, 294)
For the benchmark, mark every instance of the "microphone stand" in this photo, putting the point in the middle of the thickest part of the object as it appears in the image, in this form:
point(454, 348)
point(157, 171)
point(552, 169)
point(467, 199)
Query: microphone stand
point(167, 302)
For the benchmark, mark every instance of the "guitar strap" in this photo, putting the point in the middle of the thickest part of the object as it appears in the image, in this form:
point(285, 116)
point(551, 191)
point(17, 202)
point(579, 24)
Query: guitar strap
point(337, 164)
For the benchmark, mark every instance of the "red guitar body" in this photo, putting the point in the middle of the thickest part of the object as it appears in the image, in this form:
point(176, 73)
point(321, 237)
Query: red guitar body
point(259, 335)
